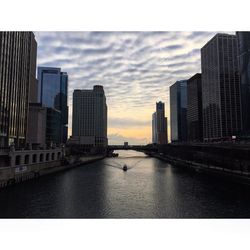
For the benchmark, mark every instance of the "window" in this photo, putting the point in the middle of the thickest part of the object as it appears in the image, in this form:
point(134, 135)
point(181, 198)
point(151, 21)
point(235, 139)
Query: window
point(41, 157)
point(34, 158)
point(26, 159)
point(18, 160)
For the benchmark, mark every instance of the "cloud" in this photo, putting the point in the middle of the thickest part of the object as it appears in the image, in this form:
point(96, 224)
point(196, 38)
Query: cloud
point(135, 68)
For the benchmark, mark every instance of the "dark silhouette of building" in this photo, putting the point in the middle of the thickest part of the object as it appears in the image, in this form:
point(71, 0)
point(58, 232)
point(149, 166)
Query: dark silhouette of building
point(194, 109)
point(64, 105)
point(53, 126)
point(18, 51)
point(220, 88)
point(244, 71)
point(178, 111)
point(53, 93)
point(89, 120)
point(159, 125)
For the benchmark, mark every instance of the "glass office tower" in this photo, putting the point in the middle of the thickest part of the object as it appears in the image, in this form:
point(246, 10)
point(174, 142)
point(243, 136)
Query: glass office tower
point(194, 109)
point(178, 111)
point(53, 93)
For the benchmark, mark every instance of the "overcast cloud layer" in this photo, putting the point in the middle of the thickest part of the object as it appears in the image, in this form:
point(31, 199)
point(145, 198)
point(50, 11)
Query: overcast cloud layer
point(135, 68)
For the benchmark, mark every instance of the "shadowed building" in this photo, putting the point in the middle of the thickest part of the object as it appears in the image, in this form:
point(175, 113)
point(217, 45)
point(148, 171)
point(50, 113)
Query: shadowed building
point(53, 93)
point(44, 125)
point(178, 111)
point(154, 128)
point(220, 88)
point(18, 52)
point(244, 71)
point(159, 125)
point(36, 133)
point(89, 119)
point(194, 109)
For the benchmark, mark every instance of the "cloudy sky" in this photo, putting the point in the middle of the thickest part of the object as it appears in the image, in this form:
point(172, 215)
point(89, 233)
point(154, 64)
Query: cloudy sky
point(135, 68)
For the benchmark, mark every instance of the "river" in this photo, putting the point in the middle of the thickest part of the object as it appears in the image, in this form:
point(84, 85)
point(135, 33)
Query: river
point(149, 188)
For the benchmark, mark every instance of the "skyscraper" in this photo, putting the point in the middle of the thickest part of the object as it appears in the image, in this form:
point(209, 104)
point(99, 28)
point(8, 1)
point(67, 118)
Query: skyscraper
point(159, 125)
point(17, 75)
point(53, 93)
point(90, 118)
point(154, 128)
point(194, 109)
point(220, 88)
point(178, 111)
point(243, 38)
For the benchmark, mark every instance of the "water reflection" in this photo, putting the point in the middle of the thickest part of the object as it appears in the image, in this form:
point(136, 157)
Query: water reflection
point(149, 189)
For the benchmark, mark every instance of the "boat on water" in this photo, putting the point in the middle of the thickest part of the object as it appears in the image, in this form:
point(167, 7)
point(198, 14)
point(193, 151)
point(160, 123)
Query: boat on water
point(125, 168)
point(113, 155)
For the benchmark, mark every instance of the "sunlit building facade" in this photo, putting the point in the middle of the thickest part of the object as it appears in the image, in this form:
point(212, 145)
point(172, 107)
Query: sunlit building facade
point(18, 52)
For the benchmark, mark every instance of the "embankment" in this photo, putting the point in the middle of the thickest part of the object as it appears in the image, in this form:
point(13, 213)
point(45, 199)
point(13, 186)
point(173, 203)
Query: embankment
point(10, 175)
point(228, 161)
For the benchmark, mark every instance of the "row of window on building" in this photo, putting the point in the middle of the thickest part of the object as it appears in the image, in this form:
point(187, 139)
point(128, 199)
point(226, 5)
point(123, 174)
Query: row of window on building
point(36, 110)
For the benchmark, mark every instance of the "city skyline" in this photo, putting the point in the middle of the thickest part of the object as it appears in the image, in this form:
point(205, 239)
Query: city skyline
point(139, 66)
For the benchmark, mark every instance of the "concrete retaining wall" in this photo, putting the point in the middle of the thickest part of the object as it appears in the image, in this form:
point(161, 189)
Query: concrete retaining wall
point(10, 175)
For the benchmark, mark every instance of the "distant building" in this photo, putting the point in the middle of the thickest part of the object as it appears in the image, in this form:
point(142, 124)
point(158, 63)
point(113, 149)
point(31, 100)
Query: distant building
point(159, 125)
point(194, 109)
point(53, 93)
point(243, 38)
point(178, 111)
point(125, 144)
point(220, 88)
point(89, 119)
point(18, 51)
point(154, 128)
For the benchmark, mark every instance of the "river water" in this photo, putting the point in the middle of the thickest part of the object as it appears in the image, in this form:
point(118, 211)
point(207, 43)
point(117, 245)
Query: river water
point(149, 188)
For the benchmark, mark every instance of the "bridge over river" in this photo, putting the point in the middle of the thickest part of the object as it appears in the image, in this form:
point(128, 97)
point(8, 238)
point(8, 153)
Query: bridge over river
point(141, 148)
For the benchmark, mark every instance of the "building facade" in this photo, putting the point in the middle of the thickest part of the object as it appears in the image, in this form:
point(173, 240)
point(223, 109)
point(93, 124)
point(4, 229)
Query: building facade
point(159, 125)
point(178, 111)
point(243, 38)
point(194, 109)
point(220, 88)
point(36, 133)
point(53, 93)
point(18, 51)
point(44, 126)
point(154, 128)
point(89, 120)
